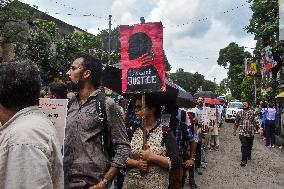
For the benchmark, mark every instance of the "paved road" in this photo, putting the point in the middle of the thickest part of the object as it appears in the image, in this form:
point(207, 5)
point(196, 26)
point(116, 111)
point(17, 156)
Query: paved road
point(264, 171)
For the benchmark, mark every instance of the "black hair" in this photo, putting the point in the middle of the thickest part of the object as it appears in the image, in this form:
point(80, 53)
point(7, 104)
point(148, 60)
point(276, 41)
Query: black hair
point(270, 105)
point(264, 105)
point(19, 85)
point(59, 90)
point(94, 65)
point(171, 108)
point(151, 101)
point(183, 116)
point(139, 44)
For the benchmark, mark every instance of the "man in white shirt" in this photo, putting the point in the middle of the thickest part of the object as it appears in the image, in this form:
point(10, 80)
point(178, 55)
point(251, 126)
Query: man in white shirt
point(29, 147)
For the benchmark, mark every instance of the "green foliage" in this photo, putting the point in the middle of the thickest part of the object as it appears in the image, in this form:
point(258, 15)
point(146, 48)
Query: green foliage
point(264, 24)
point(14, 19)
point(183, 79)
point(40, 47)
point(232, 57)
point(39, 40)
point(224, 89)
point(168, 67)
point(209, 86)
point(264, 20)
point(74, 44)
point(248, 89)
point(191, 82)
point(114, 55)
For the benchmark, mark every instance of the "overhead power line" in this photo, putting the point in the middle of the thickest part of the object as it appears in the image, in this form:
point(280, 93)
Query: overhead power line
point(81, 12)
point(207, 18)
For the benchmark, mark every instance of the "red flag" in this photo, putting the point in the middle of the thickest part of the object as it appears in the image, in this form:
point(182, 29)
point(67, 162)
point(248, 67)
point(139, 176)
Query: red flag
point(142, 58)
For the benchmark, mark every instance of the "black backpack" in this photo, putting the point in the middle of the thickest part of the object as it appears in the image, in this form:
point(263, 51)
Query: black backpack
point(106, 140)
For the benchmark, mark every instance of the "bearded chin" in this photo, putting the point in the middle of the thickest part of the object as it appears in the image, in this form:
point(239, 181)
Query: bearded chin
point(76, 86)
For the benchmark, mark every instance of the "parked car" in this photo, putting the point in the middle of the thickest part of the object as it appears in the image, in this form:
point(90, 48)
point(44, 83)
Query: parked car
point(232, 109)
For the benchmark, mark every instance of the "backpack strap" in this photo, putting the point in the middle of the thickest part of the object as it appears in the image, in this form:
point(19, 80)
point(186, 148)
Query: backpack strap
point(101, 107)
point(70, 102)
point(102, 118)
point(165, 130)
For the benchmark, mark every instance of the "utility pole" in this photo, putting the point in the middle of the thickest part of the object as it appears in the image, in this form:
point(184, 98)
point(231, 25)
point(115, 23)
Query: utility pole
point(109, 37)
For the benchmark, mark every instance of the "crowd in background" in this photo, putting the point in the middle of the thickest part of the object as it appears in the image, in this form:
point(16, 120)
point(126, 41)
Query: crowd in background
point(104, 137)
point(266, 126)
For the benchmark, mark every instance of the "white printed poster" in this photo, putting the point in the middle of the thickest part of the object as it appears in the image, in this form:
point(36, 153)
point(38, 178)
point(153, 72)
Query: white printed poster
point(56, 111)
point(211, 117)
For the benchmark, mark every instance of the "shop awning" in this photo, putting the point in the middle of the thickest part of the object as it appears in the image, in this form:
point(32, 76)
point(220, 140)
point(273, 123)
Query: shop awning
point(280, 95)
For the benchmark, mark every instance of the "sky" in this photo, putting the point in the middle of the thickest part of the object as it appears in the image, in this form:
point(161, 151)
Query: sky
point(194, 30)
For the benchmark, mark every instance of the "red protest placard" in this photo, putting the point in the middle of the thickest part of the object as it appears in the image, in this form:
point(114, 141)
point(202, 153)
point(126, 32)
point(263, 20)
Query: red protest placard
point(142, 58)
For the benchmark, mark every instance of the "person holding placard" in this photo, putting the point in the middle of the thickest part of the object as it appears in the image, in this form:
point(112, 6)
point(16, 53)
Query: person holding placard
point(149, 168)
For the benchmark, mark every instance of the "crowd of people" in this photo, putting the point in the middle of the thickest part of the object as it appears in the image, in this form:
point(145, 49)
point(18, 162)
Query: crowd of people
point(103, 141)
point(266, 126)
point(136, 145)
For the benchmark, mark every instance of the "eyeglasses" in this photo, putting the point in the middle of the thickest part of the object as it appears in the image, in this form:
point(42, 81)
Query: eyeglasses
point(73, 68)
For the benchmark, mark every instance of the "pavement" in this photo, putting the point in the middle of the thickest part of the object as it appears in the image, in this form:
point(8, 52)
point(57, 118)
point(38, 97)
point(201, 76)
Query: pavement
point(264, 171)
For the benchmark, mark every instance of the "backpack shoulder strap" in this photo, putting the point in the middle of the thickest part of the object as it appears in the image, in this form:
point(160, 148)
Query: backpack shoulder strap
point(102, 117)
point(101, 107)
point(70, 102)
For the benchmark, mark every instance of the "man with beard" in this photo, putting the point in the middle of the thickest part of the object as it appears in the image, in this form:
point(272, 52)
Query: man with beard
point(88, 161)
point(245, 119)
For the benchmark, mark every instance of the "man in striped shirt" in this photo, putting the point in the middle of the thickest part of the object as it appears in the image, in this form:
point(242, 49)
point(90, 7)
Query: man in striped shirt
point(245, 120)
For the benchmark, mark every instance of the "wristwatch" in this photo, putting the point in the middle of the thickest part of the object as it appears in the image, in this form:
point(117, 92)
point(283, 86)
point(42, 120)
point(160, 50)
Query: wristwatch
point(107, 182)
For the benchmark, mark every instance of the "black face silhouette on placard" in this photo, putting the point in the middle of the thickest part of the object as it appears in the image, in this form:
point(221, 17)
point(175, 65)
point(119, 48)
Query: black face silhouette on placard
point(139, 44)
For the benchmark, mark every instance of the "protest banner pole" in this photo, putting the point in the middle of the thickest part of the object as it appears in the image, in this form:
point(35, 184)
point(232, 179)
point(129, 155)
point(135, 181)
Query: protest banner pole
point(144, 147)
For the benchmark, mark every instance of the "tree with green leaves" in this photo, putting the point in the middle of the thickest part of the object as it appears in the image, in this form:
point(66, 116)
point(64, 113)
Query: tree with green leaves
point(209, 86)
point(168, 66)
point(183, 79)
point(14, 24)
point(192, 82)
point(264, 24)
point(14, 19)
point(232, 58)
point(224, 89)
point(40, 47)
point(73, 44)
point(248, 89)
point(114, 55)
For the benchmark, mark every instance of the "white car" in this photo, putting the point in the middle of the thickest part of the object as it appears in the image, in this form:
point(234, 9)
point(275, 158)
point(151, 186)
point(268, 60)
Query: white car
point(232, 109)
